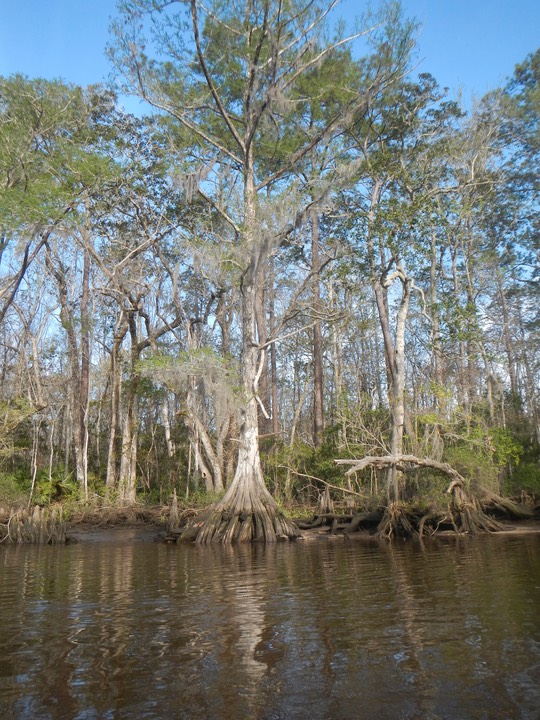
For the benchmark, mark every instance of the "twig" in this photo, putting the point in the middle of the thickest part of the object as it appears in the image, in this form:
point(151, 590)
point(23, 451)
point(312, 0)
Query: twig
point(312, 477)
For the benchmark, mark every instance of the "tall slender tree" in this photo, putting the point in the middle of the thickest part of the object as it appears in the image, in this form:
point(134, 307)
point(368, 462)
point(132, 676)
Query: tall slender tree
point(229, 75)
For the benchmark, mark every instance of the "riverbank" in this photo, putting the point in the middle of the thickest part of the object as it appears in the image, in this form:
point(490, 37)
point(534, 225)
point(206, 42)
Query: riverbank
point(147, 523)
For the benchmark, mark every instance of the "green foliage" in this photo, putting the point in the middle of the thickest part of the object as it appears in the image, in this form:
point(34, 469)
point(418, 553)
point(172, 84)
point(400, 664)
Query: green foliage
point(274, 99)
point(425, 488)
point(47, 130)
point(12, 489)
point(201, 499)
point(506, 448)
point(56, 488)
point(13, 414)
point(300, 473)
point(524, 479)
point(474, 462)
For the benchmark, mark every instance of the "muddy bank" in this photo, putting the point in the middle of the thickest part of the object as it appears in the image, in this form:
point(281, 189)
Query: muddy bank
point(129, 524)
point(151, 525)
point(123, 534)
point(142, 533)
point(141, 523)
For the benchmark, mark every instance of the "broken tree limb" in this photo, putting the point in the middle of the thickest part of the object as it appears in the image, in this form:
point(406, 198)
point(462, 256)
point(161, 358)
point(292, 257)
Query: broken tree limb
point(393, 460)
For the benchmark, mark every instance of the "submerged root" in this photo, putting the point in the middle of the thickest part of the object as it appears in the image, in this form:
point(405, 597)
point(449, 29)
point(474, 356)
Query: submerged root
point(362, 520)
point(431, 521)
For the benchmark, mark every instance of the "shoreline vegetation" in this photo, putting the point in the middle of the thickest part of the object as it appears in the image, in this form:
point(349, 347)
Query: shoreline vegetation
point(167, 523)
point(304, 274)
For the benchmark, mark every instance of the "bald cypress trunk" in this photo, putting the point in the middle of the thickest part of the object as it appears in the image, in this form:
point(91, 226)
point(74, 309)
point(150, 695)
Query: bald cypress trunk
point(247, 511)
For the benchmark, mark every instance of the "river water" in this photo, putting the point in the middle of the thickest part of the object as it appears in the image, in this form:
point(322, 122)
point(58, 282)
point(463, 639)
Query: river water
point(314, 630)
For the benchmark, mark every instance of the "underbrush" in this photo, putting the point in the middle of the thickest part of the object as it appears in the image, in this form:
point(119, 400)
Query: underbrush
point(12, 492)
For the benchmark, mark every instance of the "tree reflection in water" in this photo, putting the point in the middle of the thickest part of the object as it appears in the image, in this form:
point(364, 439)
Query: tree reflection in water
point(319, 630)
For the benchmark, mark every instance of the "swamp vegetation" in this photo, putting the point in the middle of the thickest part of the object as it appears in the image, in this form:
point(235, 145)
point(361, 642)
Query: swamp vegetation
point(303, 282)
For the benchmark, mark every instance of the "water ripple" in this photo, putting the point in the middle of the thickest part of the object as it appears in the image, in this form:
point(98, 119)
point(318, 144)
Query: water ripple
point(291, 631)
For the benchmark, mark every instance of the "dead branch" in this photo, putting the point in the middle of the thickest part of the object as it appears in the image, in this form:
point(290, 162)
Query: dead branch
point(324, 482)
point(392, 460)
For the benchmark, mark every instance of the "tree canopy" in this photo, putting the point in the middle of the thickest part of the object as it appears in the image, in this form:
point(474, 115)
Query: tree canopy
point(303, 252)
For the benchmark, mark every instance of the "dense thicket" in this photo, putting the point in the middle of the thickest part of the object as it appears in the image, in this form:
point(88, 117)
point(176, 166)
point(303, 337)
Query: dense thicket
point(303, 252)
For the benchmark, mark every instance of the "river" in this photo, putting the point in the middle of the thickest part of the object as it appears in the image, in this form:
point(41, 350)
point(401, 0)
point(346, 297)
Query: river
point(117, 628)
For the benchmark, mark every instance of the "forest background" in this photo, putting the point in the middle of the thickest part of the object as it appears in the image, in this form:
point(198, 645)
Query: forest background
point(300, 249)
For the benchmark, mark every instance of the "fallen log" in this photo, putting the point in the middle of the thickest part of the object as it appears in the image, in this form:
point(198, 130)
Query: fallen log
point(347, 523)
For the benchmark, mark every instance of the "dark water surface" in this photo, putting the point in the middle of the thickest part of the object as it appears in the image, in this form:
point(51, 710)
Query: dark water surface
point(319, 630)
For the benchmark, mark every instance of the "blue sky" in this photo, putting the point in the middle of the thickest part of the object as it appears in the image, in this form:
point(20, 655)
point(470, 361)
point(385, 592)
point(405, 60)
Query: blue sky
point(472, 45)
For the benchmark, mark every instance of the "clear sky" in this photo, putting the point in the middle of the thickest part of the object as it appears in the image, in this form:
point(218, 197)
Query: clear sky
point(471, 45)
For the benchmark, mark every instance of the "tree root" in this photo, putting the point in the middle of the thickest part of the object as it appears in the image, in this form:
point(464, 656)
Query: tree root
point(467, 512)
point(244, 514)
point(348, 523)
point(504, 506)
point(397, 521)
point(464, 515)
point(229, 526)
point(433, 519)
point(41, 526)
